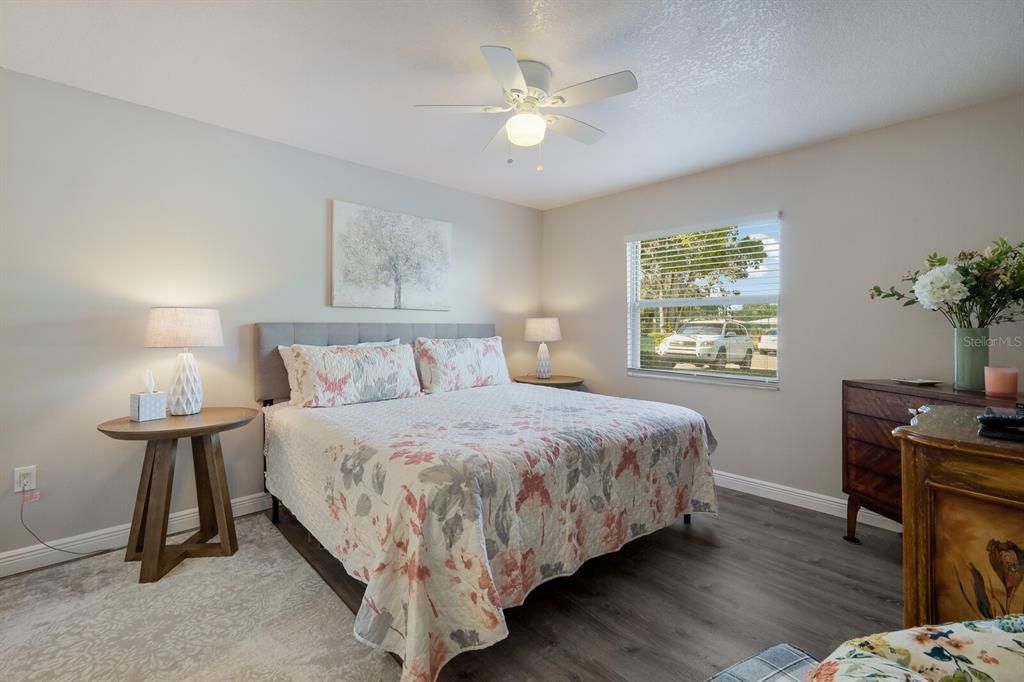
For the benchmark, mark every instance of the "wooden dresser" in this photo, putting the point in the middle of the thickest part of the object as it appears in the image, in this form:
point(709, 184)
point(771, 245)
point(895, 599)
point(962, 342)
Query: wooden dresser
point(872, 408)
point(963, 531)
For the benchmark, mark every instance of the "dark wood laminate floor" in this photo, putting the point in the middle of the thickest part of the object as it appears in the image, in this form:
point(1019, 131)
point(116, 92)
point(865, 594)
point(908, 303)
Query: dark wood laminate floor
point(687, 601)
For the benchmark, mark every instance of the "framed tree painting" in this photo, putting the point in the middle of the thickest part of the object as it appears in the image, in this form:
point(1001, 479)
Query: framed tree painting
point(382, 259)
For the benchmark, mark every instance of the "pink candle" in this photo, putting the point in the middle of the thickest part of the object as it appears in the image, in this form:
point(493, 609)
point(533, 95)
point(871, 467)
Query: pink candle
point(1001, 382)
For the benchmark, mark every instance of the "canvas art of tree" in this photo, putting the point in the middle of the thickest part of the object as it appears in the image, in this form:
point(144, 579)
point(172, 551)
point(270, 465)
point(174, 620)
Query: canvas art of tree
point(384, 259)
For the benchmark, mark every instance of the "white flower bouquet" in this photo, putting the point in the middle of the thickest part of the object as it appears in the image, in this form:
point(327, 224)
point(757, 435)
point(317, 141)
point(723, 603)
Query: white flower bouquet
point(975, 290)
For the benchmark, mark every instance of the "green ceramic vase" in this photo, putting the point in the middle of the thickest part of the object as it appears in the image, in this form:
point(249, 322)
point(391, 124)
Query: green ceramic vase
point(970, 355)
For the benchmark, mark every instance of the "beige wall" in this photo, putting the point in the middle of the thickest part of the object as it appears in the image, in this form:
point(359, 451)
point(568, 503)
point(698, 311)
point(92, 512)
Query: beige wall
point(857, 211)
point(108, 208)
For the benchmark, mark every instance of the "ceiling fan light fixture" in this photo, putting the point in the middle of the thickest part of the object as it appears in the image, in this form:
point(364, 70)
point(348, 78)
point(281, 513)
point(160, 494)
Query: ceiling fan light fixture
point(526, 129)
point(526, 86)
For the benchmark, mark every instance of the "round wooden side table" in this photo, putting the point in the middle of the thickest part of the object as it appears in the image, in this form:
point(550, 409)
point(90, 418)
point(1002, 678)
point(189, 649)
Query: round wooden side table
point(556, 380)
point(147, 541)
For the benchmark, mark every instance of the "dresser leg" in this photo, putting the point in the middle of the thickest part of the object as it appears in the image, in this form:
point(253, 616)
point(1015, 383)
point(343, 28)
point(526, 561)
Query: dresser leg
point(852, 508)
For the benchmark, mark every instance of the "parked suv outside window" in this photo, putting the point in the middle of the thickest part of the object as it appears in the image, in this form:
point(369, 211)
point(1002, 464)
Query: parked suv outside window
point(709, 343)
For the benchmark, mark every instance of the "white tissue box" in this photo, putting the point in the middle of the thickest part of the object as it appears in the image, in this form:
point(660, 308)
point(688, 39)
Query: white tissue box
point(148, 406)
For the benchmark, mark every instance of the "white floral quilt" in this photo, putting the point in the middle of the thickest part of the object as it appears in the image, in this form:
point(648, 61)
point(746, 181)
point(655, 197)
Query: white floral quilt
point(454, 506)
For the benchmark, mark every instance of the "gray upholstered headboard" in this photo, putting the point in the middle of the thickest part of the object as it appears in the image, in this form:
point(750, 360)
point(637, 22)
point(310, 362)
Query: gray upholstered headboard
point(271, 379)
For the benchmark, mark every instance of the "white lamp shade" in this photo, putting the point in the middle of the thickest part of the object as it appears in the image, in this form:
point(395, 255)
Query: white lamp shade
point(183, 328)
point(543, 329)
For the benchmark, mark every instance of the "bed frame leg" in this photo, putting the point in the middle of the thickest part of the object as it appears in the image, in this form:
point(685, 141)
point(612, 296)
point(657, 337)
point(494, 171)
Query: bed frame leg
point(274, 503)
point(686, 518)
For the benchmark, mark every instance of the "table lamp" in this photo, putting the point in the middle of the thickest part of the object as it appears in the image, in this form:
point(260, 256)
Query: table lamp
point(184, 328)
point(543, 329)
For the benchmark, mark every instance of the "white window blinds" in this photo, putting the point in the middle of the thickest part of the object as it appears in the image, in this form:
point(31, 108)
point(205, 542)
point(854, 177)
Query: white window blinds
point(704, 302)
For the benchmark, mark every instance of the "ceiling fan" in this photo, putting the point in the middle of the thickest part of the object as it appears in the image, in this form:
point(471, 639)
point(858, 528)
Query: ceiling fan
point(526, 85)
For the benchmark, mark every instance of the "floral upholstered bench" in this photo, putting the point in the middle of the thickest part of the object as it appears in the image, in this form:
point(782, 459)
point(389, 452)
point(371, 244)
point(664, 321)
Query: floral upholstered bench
point(972, 651)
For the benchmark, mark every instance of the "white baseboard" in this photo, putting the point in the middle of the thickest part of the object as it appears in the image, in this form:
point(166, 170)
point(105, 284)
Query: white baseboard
point(115, 537)
point(801, 498)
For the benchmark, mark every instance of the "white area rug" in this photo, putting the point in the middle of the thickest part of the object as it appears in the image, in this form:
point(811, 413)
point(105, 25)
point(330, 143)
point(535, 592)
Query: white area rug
point(262, 614)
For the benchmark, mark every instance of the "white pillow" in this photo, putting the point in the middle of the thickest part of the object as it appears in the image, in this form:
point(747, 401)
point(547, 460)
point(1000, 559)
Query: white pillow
point(455, 364)
point(331, 376)
point(289, 364)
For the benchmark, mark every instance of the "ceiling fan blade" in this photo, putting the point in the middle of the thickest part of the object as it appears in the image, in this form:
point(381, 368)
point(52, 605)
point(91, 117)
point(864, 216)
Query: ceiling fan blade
point(593, 90)
point(500, 138)
point(505, 67)
point(577, 130)
point(464, 108)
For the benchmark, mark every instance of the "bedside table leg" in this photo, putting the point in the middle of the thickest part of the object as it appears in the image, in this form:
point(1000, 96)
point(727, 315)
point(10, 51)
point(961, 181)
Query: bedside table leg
point(158, 505)
point(204, 496)
point(134, 549)
point(221, 496)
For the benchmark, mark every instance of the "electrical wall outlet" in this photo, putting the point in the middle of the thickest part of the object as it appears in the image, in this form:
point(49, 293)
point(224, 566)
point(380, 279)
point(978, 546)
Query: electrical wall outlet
point(24, 479)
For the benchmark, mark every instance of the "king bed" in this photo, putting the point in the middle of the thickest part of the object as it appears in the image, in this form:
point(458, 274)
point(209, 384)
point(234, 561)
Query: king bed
point(453, 506)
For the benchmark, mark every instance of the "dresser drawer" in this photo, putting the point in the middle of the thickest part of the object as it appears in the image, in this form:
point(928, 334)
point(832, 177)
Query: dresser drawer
point(873, 458)
point(876, 487)
point(891, 406)
point(872, 430)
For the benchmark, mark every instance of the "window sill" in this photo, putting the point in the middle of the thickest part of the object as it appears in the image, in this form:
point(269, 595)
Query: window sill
point(705, 378)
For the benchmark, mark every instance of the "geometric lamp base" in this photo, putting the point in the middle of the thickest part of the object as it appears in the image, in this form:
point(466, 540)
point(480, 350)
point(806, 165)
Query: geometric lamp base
point(543, 362)
point(186, 394)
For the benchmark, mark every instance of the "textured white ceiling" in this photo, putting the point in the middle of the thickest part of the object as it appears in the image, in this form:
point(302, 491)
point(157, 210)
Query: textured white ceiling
point(720, 80)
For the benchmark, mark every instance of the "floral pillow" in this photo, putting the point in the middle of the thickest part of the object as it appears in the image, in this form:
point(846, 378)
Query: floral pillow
point(455, 364)
point(329, 376)
point(289, 365)
point(972, 651)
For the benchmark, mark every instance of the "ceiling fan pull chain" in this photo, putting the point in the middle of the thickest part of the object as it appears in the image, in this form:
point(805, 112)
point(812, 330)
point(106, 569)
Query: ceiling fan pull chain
point(540, 157)
point(509, 160)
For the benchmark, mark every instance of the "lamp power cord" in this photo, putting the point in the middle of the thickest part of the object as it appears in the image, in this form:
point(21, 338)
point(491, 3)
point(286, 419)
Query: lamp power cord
point(21, 516)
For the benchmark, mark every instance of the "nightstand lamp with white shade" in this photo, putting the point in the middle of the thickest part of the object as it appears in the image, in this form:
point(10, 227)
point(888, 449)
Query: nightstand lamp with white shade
point(184, 328)
point(543, 329)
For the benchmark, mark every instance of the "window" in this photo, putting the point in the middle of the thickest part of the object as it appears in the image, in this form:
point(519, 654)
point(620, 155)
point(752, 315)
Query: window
point(703, 303)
